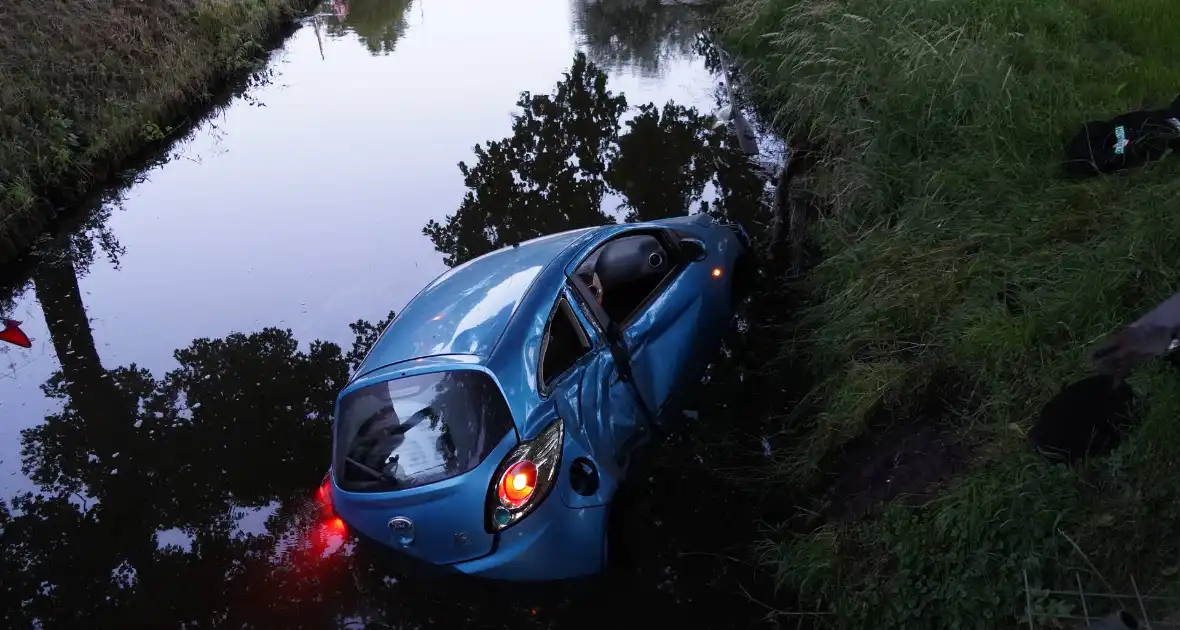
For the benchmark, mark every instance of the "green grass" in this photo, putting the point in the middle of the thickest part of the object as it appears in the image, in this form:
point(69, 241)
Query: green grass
point(944, 124)
point(86, 84)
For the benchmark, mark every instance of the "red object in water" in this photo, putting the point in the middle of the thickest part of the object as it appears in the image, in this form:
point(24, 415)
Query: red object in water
point(324, 496)
point(14, 335)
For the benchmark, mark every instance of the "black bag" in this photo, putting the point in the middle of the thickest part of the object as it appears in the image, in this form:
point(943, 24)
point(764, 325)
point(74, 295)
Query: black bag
point(1132, 139)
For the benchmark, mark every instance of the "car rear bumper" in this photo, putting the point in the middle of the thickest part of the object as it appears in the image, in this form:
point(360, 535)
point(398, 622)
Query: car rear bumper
point(399, 563)
point(554, 543)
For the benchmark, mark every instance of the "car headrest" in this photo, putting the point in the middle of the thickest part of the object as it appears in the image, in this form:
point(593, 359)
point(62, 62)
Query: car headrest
point(629, 259)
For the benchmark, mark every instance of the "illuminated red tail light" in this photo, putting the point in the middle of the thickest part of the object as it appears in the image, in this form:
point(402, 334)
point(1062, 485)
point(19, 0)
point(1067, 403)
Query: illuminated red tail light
point(517, 484)
point(524, 478)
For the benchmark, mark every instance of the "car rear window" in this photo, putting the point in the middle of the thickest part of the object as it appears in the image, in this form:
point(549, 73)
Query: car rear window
point(416, 430)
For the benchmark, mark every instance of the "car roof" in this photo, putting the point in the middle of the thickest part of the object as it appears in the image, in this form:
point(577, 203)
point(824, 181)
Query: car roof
point(466, 309)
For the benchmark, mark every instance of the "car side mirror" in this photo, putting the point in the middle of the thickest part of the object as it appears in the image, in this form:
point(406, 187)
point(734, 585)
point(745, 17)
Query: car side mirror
point(692, 249)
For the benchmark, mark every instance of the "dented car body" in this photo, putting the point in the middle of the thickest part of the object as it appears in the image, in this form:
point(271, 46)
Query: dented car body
point(489, 428)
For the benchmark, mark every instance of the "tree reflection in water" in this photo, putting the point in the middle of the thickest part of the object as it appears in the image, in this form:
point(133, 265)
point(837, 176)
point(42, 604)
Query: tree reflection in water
point(242, 425)
point(638, 35)
point(240, 429)
point(378, 24)
point(545, 178)
point(569, 150)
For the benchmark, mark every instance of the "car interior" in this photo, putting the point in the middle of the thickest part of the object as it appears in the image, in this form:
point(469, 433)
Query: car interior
point(621, 275)
point(624, 272)
point(564, 344)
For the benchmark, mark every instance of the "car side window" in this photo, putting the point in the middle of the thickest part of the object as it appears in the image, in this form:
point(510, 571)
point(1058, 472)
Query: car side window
point(624, 273)
point(563, 344)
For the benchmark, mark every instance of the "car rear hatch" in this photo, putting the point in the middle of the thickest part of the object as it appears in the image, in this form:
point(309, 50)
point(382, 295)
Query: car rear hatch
point(414, 457)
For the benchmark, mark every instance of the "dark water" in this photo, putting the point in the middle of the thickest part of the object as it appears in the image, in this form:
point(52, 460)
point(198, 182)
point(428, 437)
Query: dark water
point(160, 443)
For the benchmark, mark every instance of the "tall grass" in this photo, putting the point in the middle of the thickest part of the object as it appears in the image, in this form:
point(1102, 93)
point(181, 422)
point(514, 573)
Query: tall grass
point(950, 242)
point(87, 83)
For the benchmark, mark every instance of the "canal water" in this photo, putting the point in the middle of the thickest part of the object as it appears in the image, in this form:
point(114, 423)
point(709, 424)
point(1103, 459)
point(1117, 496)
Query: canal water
point(161, 441)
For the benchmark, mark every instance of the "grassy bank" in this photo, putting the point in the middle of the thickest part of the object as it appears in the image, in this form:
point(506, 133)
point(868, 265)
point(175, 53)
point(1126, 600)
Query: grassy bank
point(86, 84)
point(961, 282)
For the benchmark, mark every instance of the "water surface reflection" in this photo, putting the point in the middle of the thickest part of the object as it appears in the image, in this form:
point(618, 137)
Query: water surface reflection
point(643, 36)
point(574, 161)
point(378, 24)
point(158, 487)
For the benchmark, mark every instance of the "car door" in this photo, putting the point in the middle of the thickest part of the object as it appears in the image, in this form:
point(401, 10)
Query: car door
point(666, 322)
point(670, 338)
point(579, 371)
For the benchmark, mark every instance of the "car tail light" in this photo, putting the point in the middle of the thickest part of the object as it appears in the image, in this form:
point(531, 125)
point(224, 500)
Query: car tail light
point(517, 484)
point(524, 478)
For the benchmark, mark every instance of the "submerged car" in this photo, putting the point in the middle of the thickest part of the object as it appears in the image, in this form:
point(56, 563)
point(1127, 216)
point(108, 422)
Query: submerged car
point(490, 426)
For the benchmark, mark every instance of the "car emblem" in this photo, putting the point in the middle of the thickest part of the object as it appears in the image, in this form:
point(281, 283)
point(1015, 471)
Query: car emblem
point(403, 529)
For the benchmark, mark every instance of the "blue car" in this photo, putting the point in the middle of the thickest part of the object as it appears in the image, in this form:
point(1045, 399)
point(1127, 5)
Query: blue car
point(490, 426)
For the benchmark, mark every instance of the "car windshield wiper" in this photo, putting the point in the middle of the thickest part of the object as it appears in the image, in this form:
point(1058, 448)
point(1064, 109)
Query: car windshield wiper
point(372, 472)
point(403, 427)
